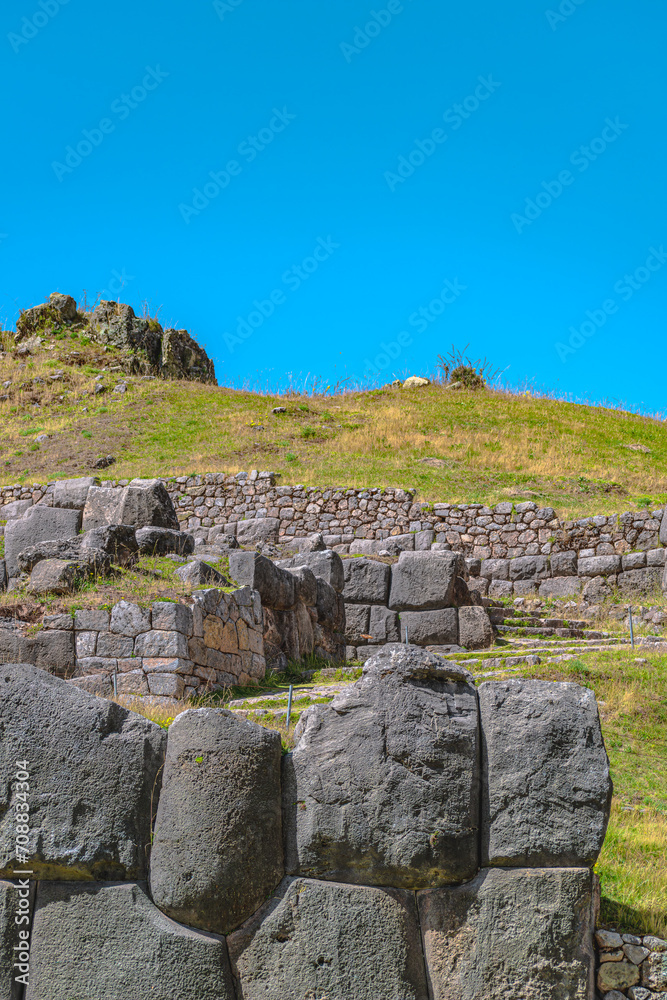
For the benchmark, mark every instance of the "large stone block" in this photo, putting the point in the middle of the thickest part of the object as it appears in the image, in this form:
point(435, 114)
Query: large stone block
point(102, 507)
point(529, 568)
point(561, 586)
point(382, 787)
point(495, 569)
point(51, 649)
point(599, 566)
point(146, 503)
point(511, 934)
point(475, 628)
point(14, 509)
point(217, 850)
point(640, 581)
point(94, 769)
point(160, 541)
point(546, 789)
point(424, 581)
point(260, 529)
point(276, 586)
point(663, 529)
point(327, 566)
point(384, 625)
point(329, 606)
point(564, 563)
point(319, 940)
point(38, 524)
point(357, 623)
point(73, 493)
point(108, 940)
point(366, 581)
point(430, 628)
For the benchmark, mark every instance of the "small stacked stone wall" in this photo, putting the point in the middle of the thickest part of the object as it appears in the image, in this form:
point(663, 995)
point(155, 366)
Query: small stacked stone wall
point(631, 966)
point(504, 531)
point(169, 649)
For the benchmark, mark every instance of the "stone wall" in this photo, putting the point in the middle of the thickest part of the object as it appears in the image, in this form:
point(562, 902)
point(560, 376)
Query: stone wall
point(169, 649)
point(343, 515)
point(424, 839)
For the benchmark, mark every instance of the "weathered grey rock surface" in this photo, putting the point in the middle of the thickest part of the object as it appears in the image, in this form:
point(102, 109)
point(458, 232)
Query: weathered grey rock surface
point(315, 939)
point(327, 566)
point(255, 530)
point(424, 581)
point(546, 789)
point(276, 586)
point(71, 494)
point(198, 573)
point(475, 628)
point(430, 628)
point(94, 767)
point(51, 649)
point(146, 503)
point(108, 940)
point(517, 934)
point(160, 541)
point(366, 581)
point(383, 786)
point(38, 524)
point(217, 849)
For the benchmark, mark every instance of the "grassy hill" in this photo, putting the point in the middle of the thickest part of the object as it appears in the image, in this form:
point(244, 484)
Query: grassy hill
point(480, 446)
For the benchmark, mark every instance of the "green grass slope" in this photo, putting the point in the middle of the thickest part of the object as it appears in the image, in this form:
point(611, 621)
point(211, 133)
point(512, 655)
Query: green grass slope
point(456, 446)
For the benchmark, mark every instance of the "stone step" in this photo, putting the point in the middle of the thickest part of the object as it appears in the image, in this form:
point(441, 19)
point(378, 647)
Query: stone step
point(530, 621)
point(564, 633)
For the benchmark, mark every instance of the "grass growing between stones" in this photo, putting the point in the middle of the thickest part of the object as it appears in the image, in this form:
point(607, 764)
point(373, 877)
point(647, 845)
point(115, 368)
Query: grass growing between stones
point(479, 446)
point(632, 697)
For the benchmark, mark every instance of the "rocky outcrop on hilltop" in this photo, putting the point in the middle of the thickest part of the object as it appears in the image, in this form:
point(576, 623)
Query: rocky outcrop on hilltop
point(168, 353)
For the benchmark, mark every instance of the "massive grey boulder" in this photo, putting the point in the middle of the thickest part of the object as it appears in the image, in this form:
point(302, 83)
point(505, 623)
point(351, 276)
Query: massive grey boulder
point(102, 507)
point(38, 524)
point(599, 566)
point(50, 649)
point(94, 770)
point(330, 607)
point(430, 628)
point(160, 541)
point(71, 494)
point(357, 624)
point(146, 503)
point(14, 509)
point(319, 940)
point(256, 530)
point(640, 581)
point(217, 849)
point(424, 581)
point(57, 576)
point(564, 563)
point(546, 791)
point(276, 586)
point(15, 921)
point(475, 628)
point(383, 624)
point(95, 550)
point(366, 581)
point(529, 568)
point(95, 940)
point(511, 935)
point(383, 786)
point(198, 573)
point(327, 566)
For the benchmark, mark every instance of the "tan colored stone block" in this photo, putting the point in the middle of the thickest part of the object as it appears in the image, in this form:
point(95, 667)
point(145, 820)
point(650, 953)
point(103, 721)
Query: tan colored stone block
point(242, 633)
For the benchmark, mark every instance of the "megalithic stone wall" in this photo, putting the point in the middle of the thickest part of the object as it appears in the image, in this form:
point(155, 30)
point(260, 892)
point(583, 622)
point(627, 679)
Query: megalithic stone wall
point(377, 864)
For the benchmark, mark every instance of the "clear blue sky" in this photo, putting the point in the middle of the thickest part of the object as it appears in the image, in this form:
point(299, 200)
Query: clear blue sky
point(333, 164)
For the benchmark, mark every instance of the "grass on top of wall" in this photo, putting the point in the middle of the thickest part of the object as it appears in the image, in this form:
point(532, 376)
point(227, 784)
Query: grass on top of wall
point(455, 446)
